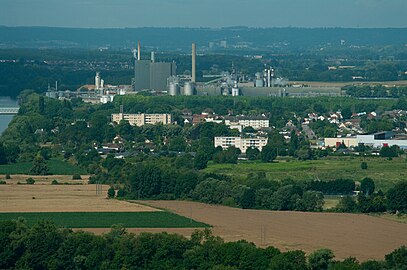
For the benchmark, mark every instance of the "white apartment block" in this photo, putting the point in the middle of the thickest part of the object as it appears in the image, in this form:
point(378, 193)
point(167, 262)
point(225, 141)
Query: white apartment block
point(242, 143)
point(141, 119)
point(256, 122)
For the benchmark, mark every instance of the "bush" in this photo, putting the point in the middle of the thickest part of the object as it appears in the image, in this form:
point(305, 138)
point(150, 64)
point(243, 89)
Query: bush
point(121, 193)
point(76, 177)
point(367, 186)
point(8, 176)
point(111, 192)
point(363, 166)
point(397, 197)
point(54, 182)
point(347, 205)
point(30, 181)
point(2, 182)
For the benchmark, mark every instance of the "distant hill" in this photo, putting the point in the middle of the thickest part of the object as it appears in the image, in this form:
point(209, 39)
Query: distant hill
point(180, 38)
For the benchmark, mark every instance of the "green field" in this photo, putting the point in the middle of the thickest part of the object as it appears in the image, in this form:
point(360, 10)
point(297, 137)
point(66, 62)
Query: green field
point(55, 166)
point(107, 219)
point(384, 172)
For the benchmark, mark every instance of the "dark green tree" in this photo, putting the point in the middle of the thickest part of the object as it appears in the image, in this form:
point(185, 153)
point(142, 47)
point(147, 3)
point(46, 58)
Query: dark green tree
point(248, 199)
point(252, 153)
point(347, 204)
point(268, 153)
point(201, 160)
point(320, 259)
point(39, 166)
point(294, 143)
point(291, 260)
point(311, 201)
point(397, 259)
point(212, 191)
point(367, 186)
point(397, 197)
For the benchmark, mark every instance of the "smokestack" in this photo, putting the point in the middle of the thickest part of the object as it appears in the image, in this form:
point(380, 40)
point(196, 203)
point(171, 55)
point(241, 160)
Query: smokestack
point(139, 51)
point(193, 62)
point(153, 57)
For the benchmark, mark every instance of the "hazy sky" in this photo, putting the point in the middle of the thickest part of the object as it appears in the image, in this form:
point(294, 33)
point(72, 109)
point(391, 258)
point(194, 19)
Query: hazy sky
point(204, 13)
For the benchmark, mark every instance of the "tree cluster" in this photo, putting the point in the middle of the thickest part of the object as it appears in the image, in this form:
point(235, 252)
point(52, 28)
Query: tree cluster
point(44, 246)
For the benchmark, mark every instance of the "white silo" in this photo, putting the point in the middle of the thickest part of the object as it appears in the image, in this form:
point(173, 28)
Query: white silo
point(173, 89)
point(189, 89)
point(235, 90)
point(97, 81)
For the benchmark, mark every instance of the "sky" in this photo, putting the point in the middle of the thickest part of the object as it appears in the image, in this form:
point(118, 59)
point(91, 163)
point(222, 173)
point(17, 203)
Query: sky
point(204, 13)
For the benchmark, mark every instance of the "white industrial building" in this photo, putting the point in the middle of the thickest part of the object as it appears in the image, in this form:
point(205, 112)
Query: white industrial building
point(141, 119)
point(242, 143)
point(377, 140)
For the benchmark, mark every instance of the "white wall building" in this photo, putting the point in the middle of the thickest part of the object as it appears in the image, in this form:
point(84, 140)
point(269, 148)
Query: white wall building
point(242, 143)
point(141, 119)
point(368, 140)
point(256, 122)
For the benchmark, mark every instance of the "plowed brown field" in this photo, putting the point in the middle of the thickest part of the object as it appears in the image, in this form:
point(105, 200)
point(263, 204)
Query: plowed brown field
point(360, 236)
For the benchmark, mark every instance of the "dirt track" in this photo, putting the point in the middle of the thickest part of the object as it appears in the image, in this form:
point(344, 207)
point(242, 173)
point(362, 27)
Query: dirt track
point(360, 236)
point(61, 198)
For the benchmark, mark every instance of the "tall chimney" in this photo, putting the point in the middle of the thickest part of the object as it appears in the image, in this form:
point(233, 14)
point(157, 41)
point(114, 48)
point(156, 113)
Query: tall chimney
point(139, 51)
point(153, 57)
point(193, 62)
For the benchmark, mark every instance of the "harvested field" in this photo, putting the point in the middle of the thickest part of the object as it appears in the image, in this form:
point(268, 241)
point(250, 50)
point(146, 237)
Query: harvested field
point(61, 198)
point(341, 84)
point(361, 236)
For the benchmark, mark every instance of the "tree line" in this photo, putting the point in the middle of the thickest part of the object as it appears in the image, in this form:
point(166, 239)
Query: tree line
point(175, 177)
point(45, 246)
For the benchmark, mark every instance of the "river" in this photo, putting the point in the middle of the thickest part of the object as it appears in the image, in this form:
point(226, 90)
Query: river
point(6, 119)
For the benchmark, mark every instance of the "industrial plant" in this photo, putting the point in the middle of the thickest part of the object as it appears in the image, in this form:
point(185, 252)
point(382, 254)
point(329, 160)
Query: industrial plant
point(160, 78)
point(152, 75)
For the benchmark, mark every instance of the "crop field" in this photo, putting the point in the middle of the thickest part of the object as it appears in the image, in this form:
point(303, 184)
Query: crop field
point(361, 236)
point(76, 205)
point(55, 166)
point(43, 197)
point(384, 172)
point(107, 219)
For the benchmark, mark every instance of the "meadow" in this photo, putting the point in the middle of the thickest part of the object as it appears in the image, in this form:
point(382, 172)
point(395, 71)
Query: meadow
point(383, 171)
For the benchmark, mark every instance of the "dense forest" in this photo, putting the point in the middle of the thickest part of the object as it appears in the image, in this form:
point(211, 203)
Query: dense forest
point(44, 246)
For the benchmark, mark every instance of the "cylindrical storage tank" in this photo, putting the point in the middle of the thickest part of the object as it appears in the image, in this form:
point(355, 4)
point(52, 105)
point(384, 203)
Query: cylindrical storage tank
point(259, 83)
point(189, 89)
point(235, 92)
point(173, 89)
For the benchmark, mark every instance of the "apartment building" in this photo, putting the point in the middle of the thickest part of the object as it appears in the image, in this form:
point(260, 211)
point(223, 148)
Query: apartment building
point(256, 122)
point(242, 143)
point(141, 119)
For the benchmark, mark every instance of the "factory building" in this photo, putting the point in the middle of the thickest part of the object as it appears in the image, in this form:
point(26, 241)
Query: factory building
point(151, 75)
point(141, 119)
point(377, 140)
point(242, 143)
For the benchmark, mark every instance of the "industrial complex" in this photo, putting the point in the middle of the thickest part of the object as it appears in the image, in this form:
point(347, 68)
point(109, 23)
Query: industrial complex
point(160, 78)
